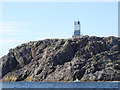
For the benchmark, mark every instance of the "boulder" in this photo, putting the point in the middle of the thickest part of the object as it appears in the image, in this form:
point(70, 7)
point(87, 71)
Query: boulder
point(82, 58)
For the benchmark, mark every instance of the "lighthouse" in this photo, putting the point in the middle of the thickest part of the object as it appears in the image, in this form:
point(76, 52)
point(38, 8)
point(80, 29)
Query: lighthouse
point(77, 28)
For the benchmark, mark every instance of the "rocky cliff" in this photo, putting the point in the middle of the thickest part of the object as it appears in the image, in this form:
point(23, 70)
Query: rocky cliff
point(84, 58)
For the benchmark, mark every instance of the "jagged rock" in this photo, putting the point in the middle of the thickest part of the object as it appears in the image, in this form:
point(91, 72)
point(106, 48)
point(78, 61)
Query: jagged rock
point(84, 58)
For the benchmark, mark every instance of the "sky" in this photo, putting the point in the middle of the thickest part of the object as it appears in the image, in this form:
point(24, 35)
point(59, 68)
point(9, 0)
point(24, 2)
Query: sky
point(22, 22)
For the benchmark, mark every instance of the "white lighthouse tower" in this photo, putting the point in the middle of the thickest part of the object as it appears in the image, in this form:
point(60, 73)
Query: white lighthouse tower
point(77, 29)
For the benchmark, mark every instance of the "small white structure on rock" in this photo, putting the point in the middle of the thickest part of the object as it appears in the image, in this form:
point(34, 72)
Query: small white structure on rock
point(77, 28)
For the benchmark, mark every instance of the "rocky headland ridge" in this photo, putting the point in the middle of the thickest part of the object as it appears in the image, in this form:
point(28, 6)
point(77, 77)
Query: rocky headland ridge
point(86, 58)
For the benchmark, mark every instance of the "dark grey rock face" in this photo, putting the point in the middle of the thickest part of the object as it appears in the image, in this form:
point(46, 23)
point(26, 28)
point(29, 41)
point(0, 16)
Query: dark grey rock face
point(84, 58)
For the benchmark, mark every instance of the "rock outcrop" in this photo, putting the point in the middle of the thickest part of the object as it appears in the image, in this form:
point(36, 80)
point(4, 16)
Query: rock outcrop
point(84, 58)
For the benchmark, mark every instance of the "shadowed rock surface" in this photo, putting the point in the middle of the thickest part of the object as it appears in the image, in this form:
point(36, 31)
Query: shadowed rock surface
point(84, 58)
